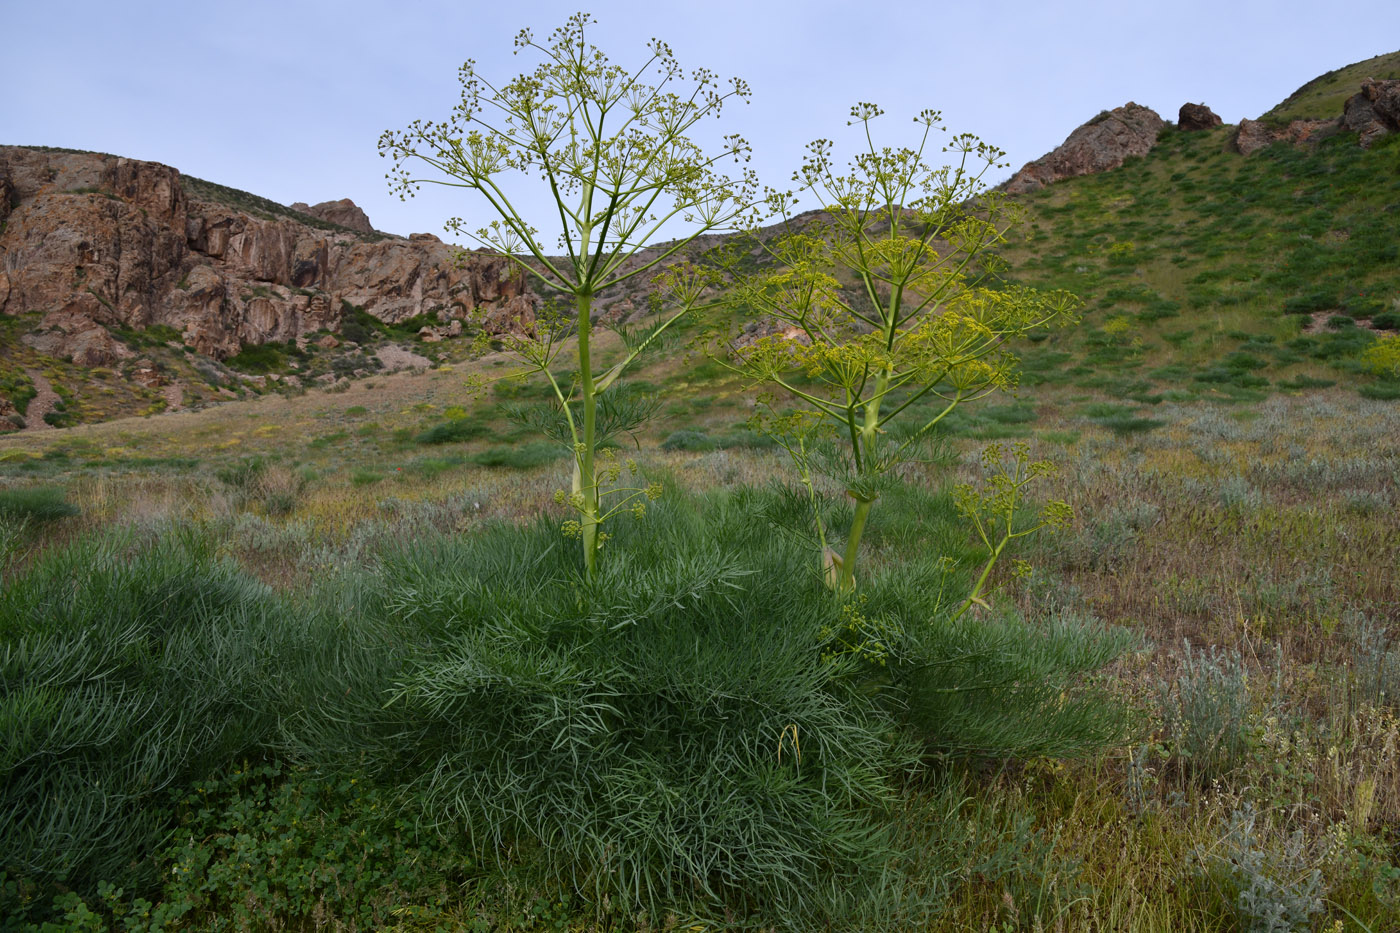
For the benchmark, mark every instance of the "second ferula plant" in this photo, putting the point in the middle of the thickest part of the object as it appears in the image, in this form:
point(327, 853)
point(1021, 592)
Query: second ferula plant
point(891, 305)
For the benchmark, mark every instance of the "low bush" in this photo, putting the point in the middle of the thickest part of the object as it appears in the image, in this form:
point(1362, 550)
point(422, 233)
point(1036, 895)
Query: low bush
point(521, 456)
point(688, 440)
point(1205, 711)
point(129, 668)
point(262, 841)
point(270, 357)
point(702, 727)
point(452, 432)
point(35, 504)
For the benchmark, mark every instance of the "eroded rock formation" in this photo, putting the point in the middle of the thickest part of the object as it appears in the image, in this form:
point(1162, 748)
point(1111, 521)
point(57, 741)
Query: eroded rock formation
point(1374, 112)
point(94, 241)
point(1253, 135)
point(344, 212)
point(1097, 146)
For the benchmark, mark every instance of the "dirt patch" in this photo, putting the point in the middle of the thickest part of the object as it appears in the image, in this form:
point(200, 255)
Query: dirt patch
point(1317, 321)
point(174, 395)
point(396, 358)
point(41, 404)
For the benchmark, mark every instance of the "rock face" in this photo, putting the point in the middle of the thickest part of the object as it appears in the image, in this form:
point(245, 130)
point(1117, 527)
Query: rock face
point(1195, 117)
point(1374, 112)
point(344, 212)
point(94, 241)
point(1252, 135)
point(1097, 146)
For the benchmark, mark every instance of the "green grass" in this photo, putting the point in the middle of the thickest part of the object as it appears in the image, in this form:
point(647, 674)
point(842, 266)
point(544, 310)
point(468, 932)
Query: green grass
point(1240, 250)
point(1323, 97)
point(35, 504)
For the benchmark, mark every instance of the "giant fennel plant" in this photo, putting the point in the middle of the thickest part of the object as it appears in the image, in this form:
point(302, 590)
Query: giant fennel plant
point(612, 147)
point(888, 298)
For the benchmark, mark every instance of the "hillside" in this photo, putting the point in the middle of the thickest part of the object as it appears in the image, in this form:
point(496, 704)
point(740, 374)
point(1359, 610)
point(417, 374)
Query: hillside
point(128, 288)
point(1206, 273)
point(1323, 96)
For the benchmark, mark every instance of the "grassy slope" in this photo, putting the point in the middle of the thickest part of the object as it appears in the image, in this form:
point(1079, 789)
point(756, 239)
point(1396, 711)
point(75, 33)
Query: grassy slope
point(1202, 269)
point(1323, 96)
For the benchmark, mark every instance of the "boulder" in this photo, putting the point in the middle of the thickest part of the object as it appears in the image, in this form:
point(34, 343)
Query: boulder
point(345, 213)
point(1253, 135)
point(1195, 117)
point(1097, 146)
point(1373, 112)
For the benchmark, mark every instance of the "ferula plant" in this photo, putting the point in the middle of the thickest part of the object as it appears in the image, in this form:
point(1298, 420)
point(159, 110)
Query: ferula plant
point(612, 146)
point(890, 306)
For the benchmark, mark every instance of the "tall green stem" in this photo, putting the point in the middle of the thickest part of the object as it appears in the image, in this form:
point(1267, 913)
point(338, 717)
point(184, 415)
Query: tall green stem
point(588, 479)
point(848, 563)
point(864, 501)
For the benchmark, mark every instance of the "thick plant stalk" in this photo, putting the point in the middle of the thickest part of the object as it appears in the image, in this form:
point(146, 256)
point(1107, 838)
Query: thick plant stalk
point(585, 452)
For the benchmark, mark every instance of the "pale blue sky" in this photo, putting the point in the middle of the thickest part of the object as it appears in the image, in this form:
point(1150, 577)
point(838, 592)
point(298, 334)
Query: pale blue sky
point(287, 99)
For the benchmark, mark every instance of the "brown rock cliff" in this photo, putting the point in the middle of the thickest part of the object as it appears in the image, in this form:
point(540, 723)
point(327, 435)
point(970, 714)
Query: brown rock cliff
point(94, 241)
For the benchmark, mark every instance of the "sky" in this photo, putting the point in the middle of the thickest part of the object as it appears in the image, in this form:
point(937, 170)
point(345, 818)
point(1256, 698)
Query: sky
point(288, 99)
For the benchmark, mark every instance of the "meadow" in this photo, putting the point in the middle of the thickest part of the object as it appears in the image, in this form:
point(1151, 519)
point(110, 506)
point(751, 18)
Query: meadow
point(325, 661)
point(332, 659)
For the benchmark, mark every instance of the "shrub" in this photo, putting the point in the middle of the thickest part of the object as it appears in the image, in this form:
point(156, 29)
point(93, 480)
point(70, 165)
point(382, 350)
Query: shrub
point(1383, 357)
point(1126, 424)
point(1267, 890)
point(35, 504)
point(1375, 662)
point(266, 841)
point(128, 668)
point(689, 440)
point(19, 389)
point(1204, 712)
point(1307, 304)
point(453, 432)
point(521, 456)
point(253, 481)
point(261, 358)
point(672, 737)
point(691, 729)
point(1381, 392)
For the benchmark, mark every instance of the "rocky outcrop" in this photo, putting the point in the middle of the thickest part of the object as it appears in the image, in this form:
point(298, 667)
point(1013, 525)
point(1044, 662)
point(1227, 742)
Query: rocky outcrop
point(73, 332)
point(1253, 135)
point(93, 241)
point(1374, 112)
point(1193, 118)
point(345, 213)
point(1097, 146)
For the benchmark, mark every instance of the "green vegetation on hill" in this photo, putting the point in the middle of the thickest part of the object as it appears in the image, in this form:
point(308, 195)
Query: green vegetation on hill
point(1323, 96)
point(1207, 273)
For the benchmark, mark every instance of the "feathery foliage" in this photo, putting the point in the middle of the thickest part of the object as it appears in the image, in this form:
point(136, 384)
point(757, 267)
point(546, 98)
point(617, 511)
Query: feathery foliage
point(684, 727)
point(128, 667)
